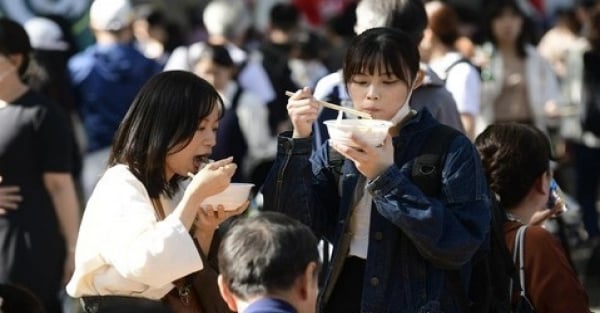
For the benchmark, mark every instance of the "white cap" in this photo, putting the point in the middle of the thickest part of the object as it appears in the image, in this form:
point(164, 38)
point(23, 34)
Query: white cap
point(111, 15)
point(45, 34)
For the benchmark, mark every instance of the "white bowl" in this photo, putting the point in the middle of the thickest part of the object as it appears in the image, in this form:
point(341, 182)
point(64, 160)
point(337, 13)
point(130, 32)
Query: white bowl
point(231, 198)
point(370, 131)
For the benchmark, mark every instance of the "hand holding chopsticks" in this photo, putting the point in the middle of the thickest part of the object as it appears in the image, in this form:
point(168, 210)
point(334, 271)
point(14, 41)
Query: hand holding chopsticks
point(338, 107)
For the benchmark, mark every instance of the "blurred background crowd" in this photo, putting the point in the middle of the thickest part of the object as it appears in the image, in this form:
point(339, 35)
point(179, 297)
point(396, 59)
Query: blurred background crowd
point(530, 61)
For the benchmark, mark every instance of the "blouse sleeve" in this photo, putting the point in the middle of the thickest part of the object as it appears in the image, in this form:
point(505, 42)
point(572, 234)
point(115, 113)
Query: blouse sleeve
point(120, 226)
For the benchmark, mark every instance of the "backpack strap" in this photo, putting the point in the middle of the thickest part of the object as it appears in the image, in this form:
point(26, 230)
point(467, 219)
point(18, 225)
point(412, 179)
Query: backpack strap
point(428, 165)
point(236, 97)
point(457, 62)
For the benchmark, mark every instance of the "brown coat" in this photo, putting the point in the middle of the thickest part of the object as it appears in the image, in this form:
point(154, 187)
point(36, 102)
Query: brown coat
point(551, 282)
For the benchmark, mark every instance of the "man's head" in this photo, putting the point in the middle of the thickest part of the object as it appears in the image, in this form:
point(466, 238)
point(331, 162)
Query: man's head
point(405, 15)
point(269, 255)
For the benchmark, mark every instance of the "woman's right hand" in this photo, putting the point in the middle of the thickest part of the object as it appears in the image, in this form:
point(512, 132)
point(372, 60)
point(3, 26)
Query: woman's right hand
point(211, 179)
point(9, 198)
point(303, 110)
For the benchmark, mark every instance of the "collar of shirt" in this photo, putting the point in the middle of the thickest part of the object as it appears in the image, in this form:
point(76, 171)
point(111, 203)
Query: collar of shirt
point(270, 305)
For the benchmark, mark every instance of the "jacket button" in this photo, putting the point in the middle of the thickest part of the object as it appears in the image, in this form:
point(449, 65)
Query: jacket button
point(374, 281)
point(378, 235)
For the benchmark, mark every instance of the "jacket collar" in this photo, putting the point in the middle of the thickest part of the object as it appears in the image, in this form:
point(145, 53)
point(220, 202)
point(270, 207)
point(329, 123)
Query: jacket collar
point(270, 305)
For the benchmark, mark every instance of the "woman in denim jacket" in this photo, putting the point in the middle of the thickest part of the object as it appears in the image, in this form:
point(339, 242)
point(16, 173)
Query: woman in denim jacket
point(393, 246)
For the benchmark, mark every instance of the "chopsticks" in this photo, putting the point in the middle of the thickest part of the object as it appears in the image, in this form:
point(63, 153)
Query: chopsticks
point(338, 107)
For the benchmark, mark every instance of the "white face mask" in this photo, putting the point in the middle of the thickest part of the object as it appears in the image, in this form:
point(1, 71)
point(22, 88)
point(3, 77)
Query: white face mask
point(404, 110)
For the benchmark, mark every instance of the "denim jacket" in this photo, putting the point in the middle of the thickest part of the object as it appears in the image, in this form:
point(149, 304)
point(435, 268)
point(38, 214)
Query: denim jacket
point(414, 240)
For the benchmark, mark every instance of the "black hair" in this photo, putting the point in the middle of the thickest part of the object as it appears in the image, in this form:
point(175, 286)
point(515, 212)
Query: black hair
point(594, 32)
point(284, 16)
point(408, 16)
point(513, 156)
point(217, 54)
point(14, 40)
point(495, 9)
point(165, 114)
point(382, 47)
point(265, 253)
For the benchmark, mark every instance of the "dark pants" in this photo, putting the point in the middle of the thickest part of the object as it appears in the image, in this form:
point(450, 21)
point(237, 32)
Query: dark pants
point(347, 293)
point(587, 167)
point(122, 304)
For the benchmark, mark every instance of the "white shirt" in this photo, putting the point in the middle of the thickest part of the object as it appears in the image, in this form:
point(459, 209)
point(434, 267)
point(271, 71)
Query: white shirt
point(122, 249)
point(462, 81)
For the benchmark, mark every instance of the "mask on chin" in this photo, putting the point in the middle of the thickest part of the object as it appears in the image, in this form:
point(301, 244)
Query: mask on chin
point(404, 110)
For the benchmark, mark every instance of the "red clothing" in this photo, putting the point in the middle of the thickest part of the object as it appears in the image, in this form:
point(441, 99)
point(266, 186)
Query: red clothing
point(551, 283)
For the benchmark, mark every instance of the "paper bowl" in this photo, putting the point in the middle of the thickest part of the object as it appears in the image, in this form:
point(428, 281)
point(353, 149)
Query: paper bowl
point(370, 131)
point(231, 198)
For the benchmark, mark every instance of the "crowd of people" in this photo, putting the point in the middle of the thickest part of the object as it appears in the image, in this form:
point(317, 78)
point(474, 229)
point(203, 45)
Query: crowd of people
point(108, 151)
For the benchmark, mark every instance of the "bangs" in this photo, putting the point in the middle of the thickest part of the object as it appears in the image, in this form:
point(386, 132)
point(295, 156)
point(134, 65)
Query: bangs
point(373, 59)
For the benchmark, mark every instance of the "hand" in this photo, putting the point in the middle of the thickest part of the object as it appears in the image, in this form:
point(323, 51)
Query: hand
point(303, 110)
point(369, 160)
point(211, 179)
point(209, 218)
point(9, 198)
point(538, 218)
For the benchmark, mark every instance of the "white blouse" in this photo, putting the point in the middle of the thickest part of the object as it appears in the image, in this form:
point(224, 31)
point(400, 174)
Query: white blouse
point(122, 249)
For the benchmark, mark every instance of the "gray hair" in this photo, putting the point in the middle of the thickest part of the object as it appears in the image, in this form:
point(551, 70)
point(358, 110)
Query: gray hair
point(227, 18)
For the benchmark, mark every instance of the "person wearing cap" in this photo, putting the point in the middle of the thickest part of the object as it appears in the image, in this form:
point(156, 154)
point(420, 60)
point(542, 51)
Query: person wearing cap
point(516, 162)
point(39, 224)
point(106, 77)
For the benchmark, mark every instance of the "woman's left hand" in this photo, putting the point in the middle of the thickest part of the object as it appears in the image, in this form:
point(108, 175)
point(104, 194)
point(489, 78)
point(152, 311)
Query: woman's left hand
point(208, 219)
point(370, 161)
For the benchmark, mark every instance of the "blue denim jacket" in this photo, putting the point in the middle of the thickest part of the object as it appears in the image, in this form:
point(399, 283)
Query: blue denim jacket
point(414, 240)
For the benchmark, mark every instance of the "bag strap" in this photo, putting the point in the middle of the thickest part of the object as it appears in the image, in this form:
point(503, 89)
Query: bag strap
point(427, 168)
point(519, 260)
point(453, 64)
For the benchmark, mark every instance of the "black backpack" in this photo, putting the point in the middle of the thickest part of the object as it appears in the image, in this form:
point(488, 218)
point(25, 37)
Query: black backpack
point(489, 286)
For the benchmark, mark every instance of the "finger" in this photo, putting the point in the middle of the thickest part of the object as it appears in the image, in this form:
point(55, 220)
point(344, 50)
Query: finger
point(220, 163)
point(221, 212)
point(205, 210)
point(10, 198)
point(9, 205)
point(2, 211)
point(217, 210)
point(10, 189)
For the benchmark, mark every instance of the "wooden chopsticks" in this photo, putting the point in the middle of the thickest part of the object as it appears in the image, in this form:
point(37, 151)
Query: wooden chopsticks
point(338, 107)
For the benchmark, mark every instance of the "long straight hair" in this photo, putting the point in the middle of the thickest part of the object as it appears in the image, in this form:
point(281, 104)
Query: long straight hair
point(164, 115)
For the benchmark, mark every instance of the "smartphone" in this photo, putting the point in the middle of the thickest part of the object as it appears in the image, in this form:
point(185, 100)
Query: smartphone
point(556, 196)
